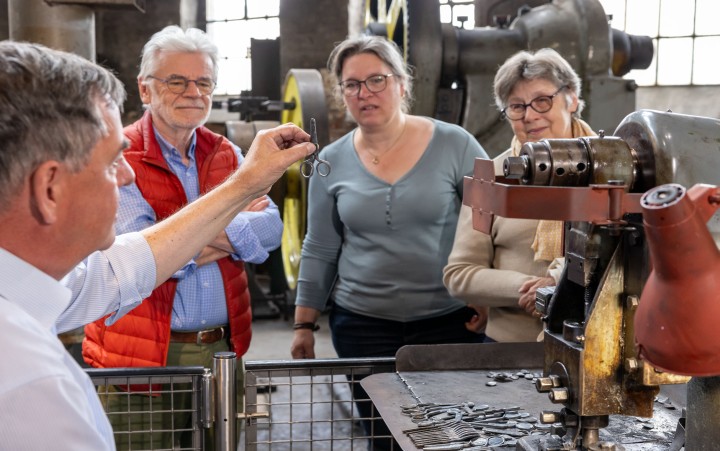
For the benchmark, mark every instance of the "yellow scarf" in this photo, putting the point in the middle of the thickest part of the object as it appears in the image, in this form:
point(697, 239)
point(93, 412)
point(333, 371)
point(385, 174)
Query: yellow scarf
point(548, 243)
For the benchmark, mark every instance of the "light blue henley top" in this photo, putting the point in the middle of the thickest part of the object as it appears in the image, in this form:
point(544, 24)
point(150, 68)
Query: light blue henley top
point(386, 243)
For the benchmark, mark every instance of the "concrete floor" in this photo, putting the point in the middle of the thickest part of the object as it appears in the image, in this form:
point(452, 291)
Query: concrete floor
point(272, 338)
point(305, 414)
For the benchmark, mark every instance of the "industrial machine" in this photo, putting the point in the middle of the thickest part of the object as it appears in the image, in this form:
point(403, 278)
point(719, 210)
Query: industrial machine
point(455, 67)
point(593, 368)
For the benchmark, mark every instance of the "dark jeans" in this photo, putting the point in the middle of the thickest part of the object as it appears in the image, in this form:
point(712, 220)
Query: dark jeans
point(356, 335)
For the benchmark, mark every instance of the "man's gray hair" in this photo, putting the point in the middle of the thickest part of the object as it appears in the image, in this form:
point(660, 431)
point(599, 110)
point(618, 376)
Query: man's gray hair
point(51, 109)
point(544, 64)
point(174, 39)
point(384, 49)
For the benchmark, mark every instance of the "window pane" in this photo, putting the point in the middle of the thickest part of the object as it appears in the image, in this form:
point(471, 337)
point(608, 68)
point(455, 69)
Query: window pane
point(225, 10)
point(464, 10)
point(707, 17)
point(676, 17)
point(705, 69)
point(231, 38)
point(262, 28)
point(234, 76)
point(615, 8)
point(262, 8)
point(674, 61)
point(642, 17)
point(445, 13)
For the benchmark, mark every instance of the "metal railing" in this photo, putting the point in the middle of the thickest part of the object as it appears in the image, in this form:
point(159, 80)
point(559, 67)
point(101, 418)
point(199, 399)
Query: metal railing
point(132, 401)
point(289, 405)
point(312, 405)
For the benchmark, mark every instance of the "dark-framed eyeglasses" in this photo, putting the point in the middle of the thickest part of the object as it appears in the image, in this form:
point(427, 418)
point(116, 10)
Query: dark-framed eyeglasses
point(178, 84)
point(374, 83)
point(542, 104)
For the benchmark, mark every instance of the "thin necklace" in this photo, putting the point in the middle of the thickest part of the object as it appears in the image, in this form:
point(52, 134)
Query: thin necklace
point(376, 159)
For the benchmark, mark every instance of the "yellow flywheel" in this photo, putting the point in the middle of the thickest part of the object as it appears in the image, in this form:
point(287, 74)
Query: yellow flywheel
point(304, 89)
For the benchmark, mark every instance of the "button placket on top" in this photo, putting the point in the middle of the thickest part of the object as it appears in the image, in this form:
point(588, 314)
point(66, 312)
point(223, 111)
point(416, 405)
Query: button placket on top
point(388, 207)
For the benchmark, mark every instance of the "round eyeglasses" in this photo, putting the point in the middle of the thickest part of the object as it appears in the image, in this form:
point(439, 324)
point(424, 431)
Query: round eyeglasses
point(542, 104)
point(375, 83)
point(178, 84)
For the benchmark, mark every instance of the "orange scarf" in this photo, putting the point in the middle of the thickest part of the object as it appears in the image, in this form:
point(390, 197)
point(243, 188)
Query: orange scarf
point(548, 243)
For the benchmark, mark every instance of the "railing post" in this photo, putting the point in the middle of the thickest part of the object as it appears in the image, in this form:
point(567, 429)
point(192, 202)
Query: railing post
point(208, 399)
point(224, 368)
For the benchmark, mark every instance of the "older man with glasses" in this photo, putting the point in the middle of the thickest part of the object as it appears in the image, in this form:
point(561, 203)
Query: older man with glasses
point(205, 307)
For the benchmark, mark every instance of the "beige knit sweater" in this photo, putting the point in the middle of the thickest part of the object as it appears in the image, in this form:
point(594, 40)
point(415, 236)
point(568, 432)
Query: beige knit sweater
point(487, 270)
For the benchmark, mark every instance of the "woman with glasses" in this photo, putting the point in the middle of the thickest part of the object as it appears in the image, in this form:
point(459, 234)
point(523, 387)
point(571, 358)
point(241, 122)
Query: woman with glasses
point(381, 225)
point(539, 95)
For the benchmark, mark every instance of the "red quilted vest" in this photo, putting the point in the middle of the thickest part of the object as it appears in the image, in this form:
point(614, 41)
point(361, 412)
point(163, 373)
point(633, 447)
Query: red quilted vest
point(127, 342)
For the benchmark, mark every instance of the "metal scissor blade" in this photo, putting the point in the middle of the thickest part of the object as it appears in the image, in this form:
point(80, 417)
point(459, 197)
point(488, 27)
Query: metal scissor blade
point(313, 134)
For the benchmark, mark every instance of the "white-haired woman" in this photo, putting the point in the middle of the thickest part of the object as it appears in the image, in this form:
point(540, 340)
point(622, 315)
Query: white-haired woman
point(539, 95)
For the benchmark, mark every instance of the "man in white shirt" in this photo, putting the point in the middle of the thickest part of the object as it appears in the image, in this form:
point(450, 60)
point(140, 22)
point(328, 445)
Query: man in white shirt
point(61, 164)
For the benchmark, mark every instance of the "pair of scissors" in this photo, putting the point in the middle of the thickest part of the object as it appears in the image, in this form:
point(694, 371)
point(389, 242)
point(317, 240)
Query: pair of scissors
point(322, 166)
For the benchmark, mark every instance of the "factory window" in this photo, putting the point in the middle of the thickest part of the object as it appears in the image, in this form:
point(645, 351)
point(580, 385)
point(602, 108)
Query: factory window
point(685, 33)
point(460, 13)
point(231, 24)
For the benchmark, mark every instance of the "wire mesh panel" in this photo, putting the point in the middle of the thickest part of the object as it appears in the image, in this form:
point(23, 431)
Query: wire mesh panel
point(145, 406)
point(313, 405)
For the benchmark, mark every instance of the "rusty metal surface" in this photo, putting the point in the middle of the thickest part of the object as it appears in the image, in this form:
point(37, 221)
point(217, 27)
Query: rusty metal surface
point(598, 381)
point(423, 376)
point(389, 391)
point(573, 162)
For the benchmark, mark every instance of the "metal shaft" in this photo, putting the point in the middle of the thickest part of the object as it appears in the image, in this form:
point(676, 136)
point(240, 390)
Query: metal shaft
point(224, 367)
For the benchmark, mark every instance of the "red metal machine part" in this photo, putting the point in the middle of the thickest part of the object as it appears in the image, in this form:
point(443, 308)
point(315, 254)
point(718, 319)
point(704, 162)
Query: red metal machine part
point(599, 204)
point(676, 323)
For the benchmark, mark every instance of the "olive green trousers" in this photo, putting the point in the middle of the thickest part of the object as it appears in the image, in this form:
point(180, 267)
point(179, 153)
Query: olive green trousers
point(165, 421)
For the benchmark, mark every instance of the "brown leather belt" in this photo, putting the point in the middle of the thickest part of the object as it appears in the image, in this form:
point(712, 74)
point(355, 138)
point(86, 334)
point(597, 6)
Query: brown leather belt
point(202, 337)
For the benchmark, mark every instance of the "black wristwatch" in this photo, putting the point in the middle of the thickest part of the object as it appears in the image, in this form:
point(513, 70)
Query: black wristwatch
point(312, 326)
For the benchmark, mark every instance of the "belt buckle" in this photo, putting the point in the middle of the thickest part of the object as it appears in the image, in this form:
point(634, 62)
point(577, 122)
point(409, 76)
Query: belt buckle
point(200, 334)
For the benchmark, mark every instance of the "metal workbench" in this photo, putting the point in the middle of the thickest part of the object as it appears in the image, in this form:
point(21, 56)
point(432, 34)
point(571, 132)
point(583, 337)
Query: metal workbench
point(459, 373)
